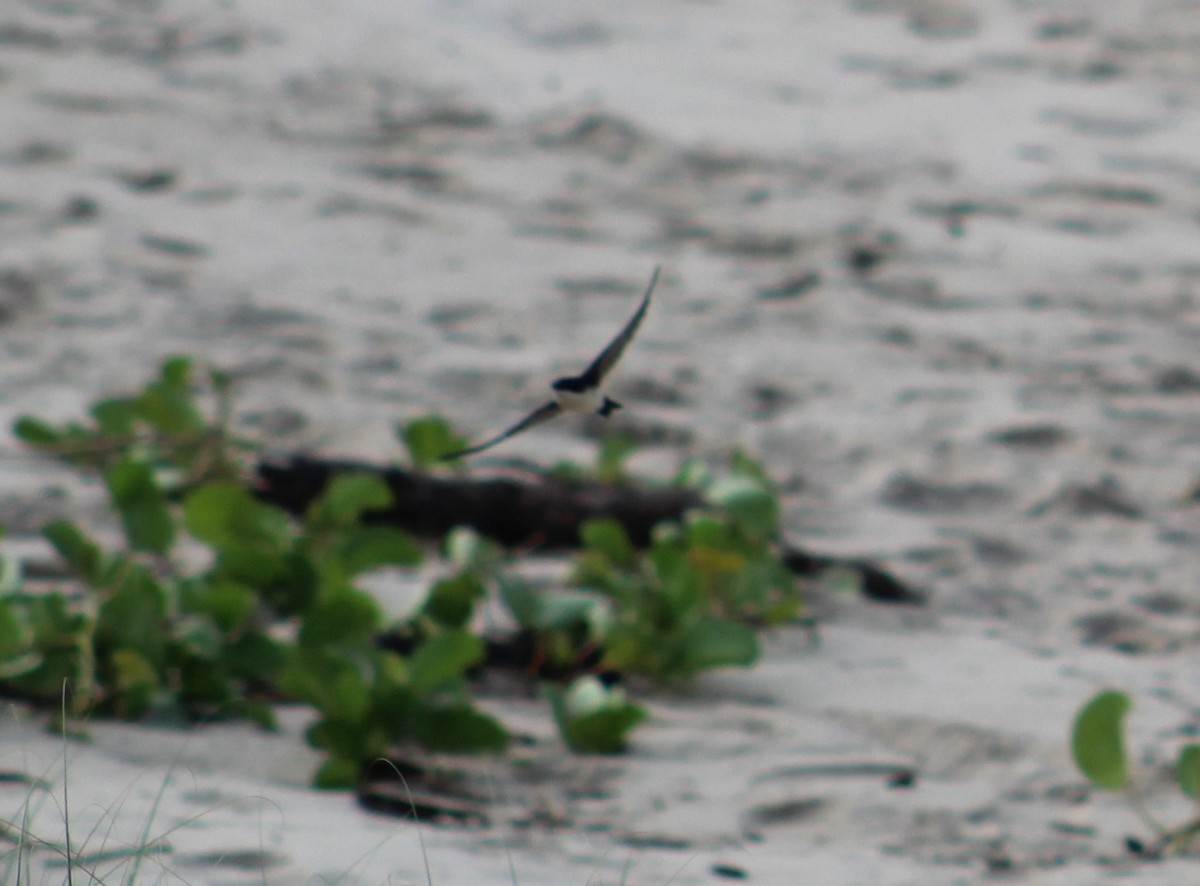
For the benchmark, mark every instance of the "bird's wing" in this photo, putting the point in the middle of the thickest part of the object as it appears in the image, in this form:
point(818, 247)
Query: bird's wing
point(545, 412)
point(602, 365)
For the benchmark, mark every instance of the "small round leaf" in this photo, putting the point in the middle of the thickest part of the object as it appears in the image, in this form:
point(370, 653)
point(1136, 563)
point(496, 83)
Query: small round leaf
point(1188, 770)
point(751, 504)
point(1098, 740)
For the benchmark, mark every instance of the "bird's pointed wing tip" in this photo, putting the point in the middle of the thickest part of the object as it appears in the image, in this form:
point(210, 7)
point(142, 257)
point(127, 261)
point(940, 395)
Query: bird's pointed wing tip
point(607, 359)
point(653, 278)
point(546, 411)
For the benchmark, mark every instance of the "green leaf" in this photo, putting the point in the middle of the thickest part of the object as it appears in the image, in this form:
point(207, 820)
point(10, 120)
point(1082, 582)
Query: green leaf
point(35, 432)
point(681, 591)
point(221, 381)
point(12, 633)
point(609, 538)
point(115, 416)
point(135, 681)
point(395, 705)
point(522, 599)
point(443, 658)
point(459, 730)
point(167, 404)
point(451, 600)
point(428, 439)
point(337, 774)
point(347, 616)
point(134, 614)
point(199, 683)
point(604, 732)
point(716, 643)
point(52, 618)
point(370, 547)
point(352, 693)
point(749, 502)
point(223, 514)
point(335, 686)
point(21, 665)
point(1188, 770)
point(228, 603)
point(169, 411)
point(255, 656)
point(592, 718)
point(261, 714)
point(10, 574)
point(1098, 740)
point(347, 497)
point(765, 590)
point(291, 584)
point(587, 695)
point(81, 553)
point(692, 474)
point(267, 570)
point(336, 735)
point(610, 460)
point(593, 569)
point(707, 529)
point(568, 472)
point(467, 549)
point(549, 609)
point(176, 371)
point(632, 647)
point(745, 465)
point(57, 634)
point(197, 635)
point(145, 516)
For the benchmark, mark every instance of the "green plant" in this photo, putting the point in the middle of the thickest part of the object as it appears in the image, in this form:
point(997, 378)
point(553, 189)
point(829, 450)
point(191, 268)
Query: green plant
point(667, 620)
point(428, 439)
point(162, 426)
point(143, 639)
point(611, 456)
point(275, 612)
point(450, 603)
point(369, 698)
point(566, 624)
point(593, 718)
point(688, 602)
point(1098, 748)
point(151, 641)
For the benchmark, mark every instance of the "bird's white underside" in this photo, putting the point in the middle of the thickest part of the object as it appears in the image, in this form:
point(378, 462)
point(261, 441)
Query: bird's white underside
point(589, 401)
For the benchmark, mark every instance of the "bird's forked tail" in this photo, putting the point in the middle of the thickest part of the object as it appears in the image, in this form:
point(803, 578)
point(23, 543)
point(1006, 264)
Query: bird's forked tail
point(608, 407)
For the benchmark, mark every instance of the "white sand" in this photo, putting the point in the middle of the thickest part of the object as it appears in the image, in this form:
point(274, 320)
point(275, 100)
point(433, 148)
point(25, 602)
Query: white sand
point(383, 209)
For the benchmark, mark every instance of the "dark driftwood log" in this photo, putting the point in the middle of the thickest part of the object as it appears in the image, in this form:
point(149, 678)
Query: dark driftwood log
point(544, 513)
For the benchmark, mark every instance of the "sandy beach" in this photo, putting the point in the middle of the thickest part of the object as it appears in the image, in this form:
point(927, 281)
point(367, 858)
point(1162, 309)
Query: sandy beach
point(935, 263)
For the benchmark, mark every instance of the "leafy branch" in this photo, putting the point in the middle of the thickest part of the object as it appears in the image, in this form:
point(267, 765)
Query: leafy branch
point(276, 613)
point(1098, 748)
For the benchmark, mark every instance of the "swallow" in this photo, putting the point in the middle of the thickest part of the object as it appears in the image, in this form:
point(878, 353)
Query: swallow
point(577, 393)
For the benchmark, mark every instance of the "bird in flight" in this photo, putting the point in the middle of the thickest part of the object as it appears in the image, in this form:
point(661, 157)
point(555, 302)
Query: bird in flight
point(576, 393)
